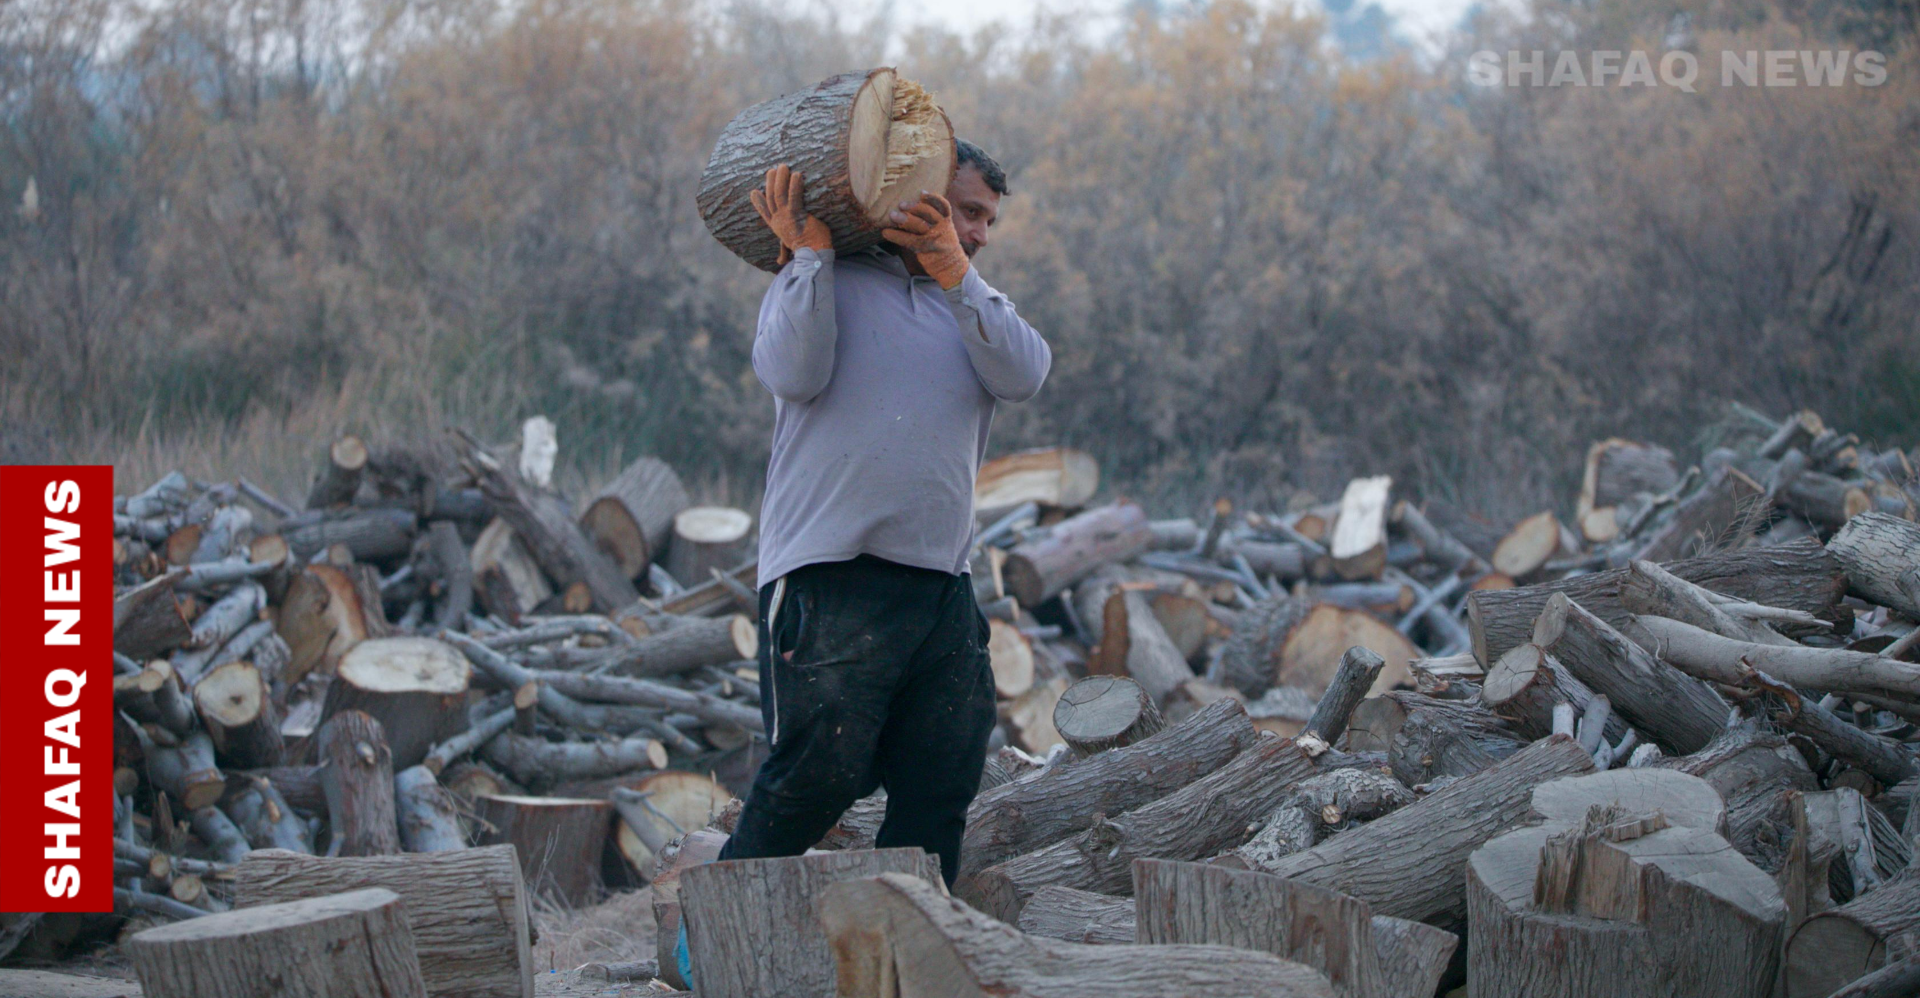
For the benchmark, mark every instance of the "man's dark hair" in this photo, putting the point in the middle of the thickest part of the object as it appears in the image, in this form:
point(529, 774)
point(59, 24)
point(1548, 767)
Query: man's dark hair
point(990, 171)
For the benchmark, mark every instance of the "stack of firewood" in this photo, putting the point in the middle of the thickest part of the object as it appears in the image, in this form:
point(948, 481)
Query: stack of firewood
point(1397, 722)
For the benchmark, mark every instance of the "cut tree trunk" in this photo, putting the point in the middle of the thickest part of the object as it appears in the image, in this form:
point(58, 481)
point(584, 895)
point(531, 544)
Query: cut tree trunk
point(892, 935)
point(707, 539)
point(687, 646)
point(1834, 947)
point(321, 619)
point(1078, 916)
point(147, 621)
point(557, 543)
point(1104, 712)
point(186, 771)
point(1323, 929)
point(239, 715)
point(558, 841)
point(339, 478)
point(1618, 470)
point(675, 803)
point(453, 569)
point(506, 580)
point(1204, 818)
point(1800, 575)
point(154, 696)
point(1038, 569)
point(369, 533)
point(1527, 546)
point(1881, 555)
point(1719, 515)
point(1059, 477)
point(468, 909)
point(1754, 771)
point(1137, 646)
point(632, 517)
point(1028, 814)
point(357, 775)
point(1679, 713)
point(1411, 864)
point(1651, 591)
point(340, 945)
point(1358, 546)
point(1315, 809)
point(1524, 686)
point(1427, 739)
point(1010, 654)
point(415, 687)
point(863, 142)
point(1289, 642)
point(1627, 899)
point(539, 763)
point(427, 815)
point(1359, 670)
point(750, 923)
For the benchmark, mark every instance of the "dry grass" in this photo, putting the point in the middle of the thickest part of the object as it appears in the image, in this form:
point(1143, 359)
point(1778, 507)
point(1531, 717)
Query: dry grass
point(619, 929)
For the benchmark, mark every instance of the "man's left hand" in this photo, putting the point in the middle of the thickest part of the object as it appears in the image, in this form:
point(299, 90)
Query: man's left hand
point(925, 229)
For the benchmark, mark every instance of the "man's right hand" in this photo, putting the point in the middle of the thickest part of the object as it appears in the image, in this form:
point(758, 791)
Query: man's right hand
point(783, 206)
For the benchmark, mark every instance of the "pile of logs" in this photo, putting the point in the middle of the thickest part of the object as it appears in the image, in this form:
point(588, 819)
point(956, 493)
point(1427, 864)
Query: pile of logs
point(1370, 747)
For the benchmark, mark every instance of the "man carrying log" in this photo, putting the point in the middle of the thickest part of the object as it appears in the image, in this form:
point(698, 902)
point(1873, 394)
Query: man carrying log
point(886, 366)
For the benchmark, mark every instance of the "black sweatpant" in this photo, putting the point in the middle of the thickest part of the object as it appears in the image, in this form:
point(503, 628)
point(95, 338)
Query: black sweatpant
point(872, 674)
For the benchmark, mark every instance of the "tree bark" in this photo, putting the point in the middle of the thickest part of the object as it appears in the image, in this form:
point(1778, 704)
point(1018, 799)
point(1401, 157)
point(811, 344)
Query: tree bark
point(186, 772)
point(632, 517)
point(1411, 863)
point(1753, 770)
point(706, 538)
point(370, 533)
point(1316, 808)
point(1426, 739)
point(556, 542)
point(539, 763)
point(468, 909)
point(880, 927)
point(357, 943)
point(1359, 670)
point(1028, 814)
point(750, 923)
point(1797, 576)
point(1836, 669)
point(1037, 570)
point(1719, 515)
point(1880, 554)
point(837, 134)
point(357, 775)
point(1078, 916)
point(428, 817)
point(1206, 817)
point(453, 568)
point(687, 646)
point(1678, 712)
point(147, 621)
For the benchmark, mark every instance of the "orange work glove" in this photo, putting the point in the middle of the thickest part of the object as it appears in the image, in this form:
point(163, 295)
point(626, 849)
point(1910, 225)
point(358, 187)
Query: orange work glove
point(783, 206)
point(926, 230)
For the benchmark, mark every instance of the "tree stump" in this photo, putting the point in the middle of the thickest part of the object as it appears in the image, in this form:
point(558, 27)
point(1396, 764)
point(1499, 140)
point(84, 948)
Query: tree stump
point(750, 922)
point(239, 715)
point(558, 839)
point(893, 935)
point(339, 478)
point(468, 909)
point(865, 141)
point(415, 687)
point(338, 946)
point(1103, 712)
point(707, 538)
point(1630, 887)
point(632, 517)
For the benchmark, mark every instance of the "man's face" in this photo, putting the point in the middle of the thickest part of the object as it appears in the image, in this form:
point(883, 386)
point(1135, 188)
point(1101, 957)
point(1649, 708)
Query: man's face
point(975, 206)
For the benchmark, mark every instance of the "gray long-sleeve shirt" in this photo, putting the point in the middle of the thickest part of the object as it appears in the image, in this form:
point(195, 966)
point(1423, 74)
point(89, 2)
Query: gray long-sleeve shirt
point(884, 389)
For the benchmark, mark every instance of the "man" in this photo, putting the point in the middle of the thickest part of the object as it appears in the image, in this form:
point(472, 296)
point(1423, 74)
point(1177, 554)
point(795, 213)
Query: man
point(885, 366)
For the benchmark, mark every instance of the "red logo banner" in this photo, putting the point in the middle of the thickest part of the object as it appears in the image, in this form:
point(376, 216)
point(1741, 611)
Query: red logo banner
point(56, 687)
